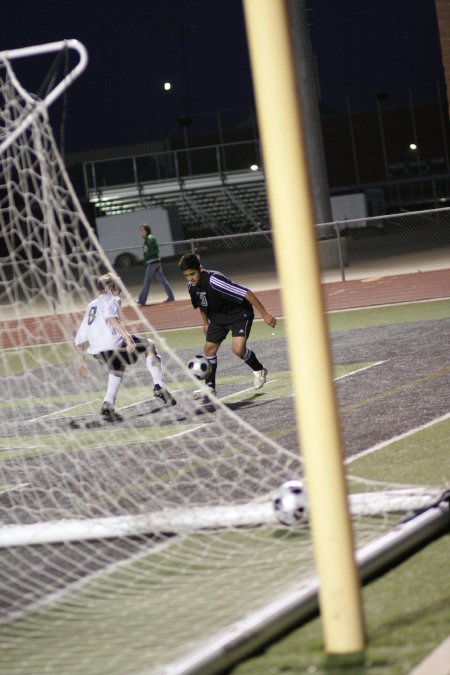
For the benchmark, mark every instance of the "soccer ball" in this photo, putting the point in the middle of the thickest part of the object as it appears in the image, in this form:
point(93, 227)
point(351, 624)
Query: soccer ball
point(199, 366)
point(289, 503)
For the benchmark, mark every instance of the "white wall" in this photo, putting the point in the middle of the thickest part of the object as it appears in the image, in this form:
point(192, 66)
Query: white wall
point(346, 207)
point(120, 234)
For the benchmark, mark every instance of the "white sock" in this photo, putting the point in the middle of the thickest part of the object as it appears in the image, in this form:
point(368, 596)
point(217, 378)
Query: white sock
point(114, 382)
point(153, 362)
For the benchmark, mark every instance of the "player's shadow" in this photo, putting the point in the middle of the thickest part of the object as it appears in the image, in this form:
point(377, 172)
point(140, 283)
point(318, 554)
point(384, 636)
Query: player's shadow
point(206, 408)
point(248, 403)
point(172, 413)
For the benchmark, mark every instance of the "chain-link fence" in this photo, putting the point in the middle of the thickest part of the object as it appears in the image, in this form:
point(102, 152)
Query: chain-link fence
point(382, 245)
point(405, 242)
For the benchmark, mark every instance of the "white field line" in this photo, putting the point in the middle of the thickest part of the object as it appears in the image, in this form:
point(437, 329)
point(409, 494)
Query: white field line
point(400, 437)
point(394, 439)
point(335, 379)
point(389, 441)
point(79, 584)
point(243, 391)
point(360, 370)
point(62, 413)
point(248, 389)
point(19, 486)
point(349, 460)
point(387, 304)
point(134, 404)
point(184, 432)
point(146, 400)
point(57, 413)
point(179, 433)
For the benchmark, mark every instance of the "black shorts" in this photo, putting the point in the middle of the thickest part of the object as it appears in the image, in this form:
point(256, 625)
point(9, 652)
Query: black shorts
point(118, 359)
point(241, 327)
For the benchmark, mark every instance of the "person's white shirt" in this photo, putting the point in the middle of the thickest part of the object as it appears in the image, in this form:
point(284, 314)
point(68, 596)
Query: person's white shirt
point(95, 327)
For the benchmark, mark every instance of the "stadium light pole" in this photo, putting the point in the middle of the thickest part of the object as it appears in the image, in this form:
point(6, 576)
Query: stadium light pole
point(291, 208)
point(379, 97)
point(308, 91)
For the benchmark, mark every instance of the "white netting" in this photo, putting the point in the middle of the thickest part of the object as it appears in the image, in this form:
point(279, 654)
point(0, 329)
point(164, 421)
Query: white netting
point(124, 600)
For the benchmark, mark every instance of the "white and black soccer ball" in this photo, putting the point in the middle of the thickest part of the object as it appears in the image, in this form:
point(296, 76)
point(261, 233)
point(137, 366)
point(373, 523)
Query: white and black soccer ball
point(289, 503)
point(199, 366)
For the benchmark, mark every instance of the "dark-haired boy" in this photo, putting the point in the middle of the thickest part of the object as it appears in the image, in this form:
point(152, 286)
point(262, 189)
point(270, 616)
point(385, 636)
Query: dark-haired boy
point(224, 306)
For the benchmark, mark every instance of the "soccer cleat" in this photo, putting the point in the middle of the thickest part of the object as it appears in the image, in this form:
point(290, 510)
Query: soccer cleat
point(260, 378)
point(164, 395)
point(205, 394)
point(107, 411)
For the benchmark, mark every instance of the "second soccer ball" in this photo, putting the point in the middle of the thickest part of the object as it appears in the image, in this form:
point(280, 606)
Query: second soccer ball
point(290, 503)
point(199, 366)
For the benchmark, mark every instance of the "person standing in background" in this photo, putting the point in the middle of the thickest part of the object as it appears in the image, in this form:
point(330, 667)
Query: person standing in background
point(153, 266)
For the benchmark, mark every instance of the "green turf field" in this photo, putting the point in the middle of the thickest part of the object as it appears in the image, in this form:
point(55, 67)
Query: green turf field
point(407, 614)
point(390, 369)
point(407, 611)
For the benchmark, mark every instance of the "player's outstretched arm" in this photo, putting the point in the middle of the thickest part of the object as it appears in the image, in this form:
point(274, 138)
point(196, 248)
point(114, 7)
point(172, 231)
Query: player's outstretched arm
point(257, 304)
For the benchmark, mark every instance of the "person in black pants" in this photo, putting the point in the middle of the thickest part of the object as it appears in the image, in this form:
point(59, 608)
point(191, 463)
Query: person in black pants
point(224, 306)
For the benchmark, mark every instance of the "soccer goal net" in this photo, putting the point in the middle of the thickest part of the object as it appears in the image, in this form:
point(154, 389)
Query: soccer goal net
point(126, 545)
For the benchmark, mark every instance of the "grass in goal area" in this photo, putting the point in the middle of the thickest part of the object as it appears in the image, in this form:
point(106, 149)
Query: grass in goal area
point(407, 614)
point(407, 611)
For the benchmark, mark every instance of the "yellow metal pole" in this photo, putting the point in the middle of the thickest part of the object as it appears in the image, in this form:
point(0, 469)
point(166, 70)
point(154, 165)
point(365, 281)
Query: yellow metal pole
point(279, 118)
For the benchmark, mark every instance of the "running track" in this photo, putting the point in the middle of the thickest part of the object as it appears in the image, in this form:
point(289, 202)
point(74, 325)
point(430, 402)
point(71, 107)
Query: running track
point(338, 295)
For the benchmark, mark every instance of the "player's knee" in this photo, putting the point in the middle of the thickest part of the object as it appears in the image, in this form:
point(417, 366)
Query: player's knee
point(155, 359)
point(239, 352)
point(151, 349)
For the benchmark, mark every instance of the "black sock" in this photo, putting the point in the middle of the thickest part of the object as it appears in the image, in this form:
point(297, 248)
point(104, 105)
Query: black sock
point(211, 379)
point(252, 361)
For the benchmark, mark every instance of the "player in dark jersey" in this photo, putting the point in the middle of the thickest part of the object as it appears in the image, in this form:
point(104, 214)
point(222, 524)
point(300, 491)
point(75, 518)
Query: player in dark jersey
point(224, 306)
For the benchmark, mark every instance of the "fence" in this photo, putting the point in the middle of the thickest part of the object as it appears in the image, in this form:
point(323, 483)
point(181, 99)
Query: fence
point(394, 244)
point(405, 242)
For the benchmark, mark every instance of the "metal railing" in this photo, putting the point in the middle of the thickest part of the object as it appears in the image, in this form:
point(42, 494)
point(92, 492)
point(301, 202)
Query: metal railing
point(171, 166)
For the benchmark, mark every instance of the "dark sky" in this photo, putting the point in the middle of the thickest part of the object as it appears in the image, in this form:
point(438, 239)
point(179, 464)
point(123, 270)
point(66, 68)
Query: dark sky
point(367, 46)
point(361, 46)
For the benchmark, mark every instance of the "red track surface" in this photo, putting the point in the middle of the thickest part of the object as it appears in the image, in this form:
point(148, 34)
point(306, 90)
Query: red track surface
point(337, 295)
point(180, 314)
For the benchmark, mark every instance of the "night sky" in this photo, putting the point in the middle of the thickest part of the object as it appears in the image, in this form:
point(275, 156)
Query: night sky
point(361, 48)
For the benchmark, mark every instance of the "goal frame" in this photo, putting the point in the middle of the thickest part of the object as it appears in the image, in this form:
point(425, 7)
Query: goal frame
point(67, 80)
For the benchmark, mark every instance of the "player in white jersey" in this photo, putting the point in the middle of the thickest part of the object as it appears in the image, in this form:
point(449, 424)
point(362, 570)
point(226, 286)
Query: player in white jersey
point(110, 342)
